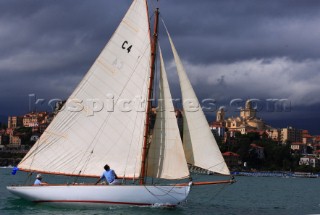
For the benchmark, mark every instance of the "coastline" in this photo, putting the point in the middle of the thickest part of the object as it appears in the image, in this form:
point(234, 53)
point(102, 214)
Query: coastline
point(11, 157)
point(278, 174)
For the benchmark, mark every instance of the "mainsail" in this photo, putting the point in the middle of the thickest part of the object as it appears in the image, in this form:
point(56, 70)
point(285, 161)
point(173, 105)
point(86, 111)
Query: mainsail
point(104, 118)
point(166, 157)
point(200, 147)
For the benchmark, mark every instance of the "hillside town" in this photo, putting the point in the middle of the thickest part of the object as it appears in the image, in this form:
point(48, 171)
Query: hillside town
point(21, 132)
point(246, 141)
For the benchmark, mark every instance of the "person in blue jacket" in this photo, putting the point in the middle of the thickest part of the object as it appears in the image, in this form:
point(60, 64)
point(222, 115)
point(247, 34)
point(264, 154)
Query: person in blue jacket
point(38, 180)
point(110, 176)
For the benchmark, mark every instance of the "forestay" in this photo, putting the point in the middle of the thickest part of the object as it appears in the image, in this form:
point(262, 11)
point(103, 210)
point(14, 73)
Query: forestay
point(166, 157)
point(103, 120)
point(200, 147)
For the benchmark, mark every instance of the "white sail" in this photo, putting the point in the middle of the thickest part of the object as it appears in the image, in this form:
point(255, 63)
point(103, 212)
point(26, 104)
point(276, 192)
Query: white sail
point(109, 128)
point(166, 157)
point(200, 147)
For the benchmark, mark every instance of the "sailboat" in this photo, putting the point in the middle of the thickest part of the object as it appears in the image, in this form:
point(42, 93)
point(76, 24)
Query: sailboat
point(106, 120)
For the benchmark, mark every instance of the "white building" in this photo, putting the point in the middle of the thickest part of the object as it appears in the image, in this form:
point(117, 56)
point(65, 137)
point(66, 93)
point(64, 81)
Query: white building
point(309, 161)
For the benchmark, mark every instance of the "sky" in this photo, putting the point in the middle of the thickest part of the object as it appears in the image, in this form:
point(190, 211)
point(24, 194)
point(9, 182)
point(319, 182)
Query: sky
point(268, 51)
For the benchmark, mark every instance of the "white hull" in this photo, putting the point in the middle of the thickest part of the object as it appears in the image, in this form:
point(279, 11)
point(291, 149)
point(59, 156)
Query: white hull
point(88, 195)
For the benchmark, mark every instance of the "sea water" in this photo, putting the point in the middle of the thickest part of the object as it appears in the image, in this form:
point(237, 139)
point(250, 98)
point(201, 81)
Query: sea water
point(249, 196)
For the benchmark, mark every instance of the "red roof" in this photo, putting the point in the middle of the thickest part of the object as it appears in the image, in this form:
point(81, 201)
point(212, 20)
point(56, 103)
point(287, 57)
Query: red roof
point(306, 136)
point(216, 124)
point(229, 154)
point(308, 156)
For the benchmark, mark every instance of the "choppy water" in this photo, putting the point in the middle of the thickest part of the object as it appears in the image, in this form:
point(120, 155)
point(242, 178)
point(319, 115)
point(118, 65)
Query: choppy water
point(249, 196)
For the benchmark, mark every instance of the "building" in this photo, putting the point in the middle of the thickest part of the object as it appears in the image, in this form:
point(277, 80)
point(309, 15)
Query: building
point(17, 127)
point(220, 116)
point(274, 134)
point(246, 122)
point(15, 121)
point(291, 134)
point(15, 141)
point(218, 129)
point(299, 147)
point(34, 119)
point(309, 161)
point(258, 150)
point(307, 138)
point(248, 112)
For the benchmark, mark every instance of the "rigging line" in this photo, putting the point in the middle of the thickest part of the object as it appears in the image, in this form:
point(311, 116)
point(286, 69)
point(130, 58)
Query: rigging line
point(130, 146)
point(151, 131)
point(85, 165)
point(149, 115)
point(28, 178)
point(166, 192)
point(60, 120)
point(156, 80)
point(67, 160)
point(43, 144)
point(150, 18)
point(223, 187)
point(33, 155)
point(222, 162)
point(151, 192)
point(153, 6)
point(67, 119)
point(137, 149)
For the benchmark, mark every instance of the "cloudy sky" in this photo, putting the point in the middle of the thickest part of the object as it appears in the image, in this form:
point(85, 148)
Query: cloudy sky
point(232, 50)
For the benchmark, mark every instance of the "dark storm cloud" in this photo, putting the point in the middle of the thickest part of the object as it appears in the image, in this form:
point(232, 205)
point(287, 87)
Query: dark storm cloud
point(52, 35)
point(232, 30)
point(47, 46)
point(231, 48)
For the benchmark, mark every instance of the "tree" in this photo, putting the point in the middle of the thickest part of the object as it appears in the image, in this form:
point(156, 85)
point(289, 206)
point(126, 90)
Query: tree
point(3, 125)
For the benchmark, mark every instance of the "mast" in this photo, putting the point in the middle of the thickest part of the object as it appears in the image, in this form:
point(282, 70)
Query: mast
point(149, 103)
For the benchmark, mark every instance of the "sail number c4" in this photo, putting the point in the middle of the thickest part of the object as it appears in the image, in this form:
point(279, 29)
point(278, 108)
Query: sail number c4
point(125, 45)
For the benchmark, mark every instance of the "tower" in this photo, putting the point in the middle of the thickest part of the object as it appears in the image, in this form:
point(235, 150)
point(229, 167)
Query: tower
point(248, 111)
point(220, 115)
